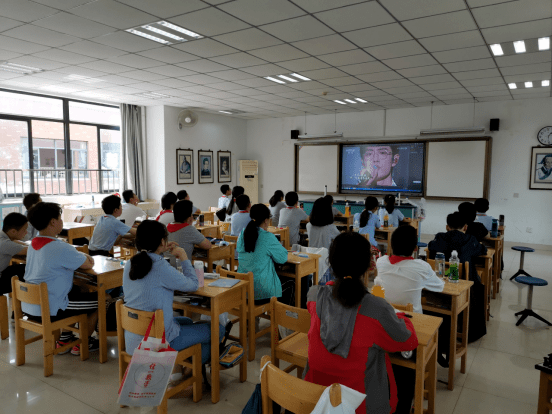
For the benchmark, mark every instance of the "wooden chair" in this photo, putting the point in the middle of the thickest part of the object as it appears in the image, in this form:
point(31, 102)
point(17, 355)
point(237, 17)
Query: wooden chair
point(293, 348)
point(229, 238)
point(369, 274)
point(137, 322)
point(409, 307)
point(48, 331)
point(253, 311)
point(463, 268)
point(83, 249)
point(293, 394)
point(4, 321)
point(123, 252)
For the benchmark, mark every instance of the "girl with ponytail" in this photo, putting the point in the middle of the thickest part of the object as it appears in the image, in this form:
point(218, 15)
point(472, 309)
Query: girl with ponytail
point(276, 204)
point(369, 222)
point(232, 206)
point(393, 213)
point(149, 282)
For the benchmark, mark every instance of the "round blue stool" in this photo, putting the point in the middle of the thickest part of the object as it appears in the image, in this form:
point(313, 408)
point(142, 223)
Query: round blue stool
point(420, 244)
point(530, 281)
point(523, 250)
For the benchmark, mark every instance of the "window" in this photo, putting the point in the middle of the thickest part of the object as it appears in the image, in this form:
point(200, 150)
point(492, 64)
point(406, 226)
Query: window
point(14, 155)
point(94, 114)
point(111, 159)
point(30, 105)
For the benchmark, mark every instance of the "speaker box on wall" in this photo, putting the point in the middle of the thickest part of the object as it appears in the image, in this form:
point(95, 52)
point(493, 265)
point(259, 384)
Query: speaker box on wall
point(294, 134)
point(495, 124)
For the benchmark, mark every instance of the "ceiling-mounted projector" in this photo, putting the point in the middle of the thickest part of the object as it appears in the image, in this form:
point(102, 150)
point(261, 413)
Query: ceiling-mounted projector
point(453, 131)
point(312, 136)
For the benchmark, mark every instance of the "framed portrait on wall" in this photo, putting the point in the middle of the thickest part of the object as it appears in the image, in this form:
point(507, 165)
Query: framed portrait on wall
point(184, 166)
point(541, 168)
point(205, 167)
point(224, 166)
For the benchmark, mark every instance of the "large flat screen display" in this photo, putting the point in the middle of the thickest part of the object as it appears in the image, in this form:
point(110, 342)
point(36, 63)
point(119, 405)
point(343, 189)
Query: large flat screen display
point(381, 167)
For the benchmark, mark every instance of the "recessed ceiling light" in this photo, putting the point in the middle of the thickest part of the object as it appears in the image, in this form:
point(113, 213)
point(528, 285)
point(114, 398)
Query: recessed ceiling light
point(545, 83)
point(164, 33)
point(274, 79)
point(150, 37)
point(300, 76)
point(544, 43)
point(16, 68)
point(339, 102)
point(226, 112)
point(497, 50)
point(152, 95)
point(512, 86)
point(361, 100)
point(350, 101)
point(288, 78)
point(519, 46)
point(180, 29)
point(85, 79)
point(528, 84)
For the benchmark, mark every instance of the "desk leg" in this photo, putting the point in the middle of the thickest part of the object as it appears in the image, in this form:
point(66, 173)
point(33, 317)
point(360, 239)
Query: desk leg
point(432, 379)
point(545, 389)
point(315, 276)
point(297, 288)
point(452, 346)
point(419, 386)
point(243, 335)
point(389, 249)
point(70, 236)
point(209, 265)
point(215, 367)
point(102, 328)
point(465, 326)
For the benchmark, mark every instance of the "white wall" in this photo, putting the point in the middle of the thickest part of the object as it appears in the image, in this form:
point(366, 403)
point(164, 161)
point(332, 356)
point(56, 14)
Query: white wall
point(155, 151)
point(268, 141)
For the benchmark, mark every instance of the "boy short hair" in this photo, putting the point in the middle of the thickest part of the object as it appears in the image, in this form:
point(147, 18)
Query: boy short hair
point(292, 198)
point(481, 205)
point(404, 241)
point(110, 204)
point(182, 210)
point(14, 221)
point(224, 188)
point(127, 195)
point(168, 200)
point(41, 214)
point(456, 221)
point(181, 195)
point(30, 200)
point(243, 202)
point(468, 210)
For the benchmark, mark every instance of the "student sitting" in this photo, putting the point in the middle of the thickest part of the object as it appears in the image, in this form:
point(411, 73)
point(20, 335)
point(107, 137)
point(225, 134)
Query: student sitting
point(226, 194)
point(166, 216)
point(149, 283)
point(14, 229)
point(475, 228)
point(352, 331)
point(242, 218)
point(404, 277)
point(182, 230)
point(54, 262)
point(292, 216)
point(232, 206)
point(320, 228)
point(394, 214)
point(108, 229)
point(131, 211)
point(482, 206)
point(330, 200)
point(183, 195)
point(368, 223)
point(276, 206)
point(29, 201)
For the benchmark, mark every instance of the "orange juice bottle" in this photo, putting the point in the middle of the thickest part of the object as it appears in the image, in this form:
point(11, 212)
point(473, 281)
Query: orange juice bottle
point(347, 209)
point(378, 291)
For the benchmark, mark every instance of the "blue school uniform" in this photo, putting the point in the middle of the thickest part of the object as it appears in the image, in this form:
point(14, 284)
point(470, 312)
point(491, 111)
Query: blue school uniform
point(486, 220)
point(394, 217)
point(106, 232)
point(370, 228)
point(239, 221)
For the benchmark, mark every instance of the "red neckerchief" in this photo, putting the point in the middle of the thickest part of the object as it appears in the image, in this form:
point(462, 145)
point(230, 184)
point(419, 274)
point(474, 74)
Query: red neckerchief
point(243, 211)
point(291, 208)
point(172, 227)
point(396, 259)
point(161, 213)
point(39, 242)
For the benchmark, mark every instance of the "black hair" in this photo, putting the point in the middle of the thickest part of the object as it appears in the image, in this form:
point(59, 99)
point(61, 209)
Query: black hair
point(14, 221)
point(259, 213)
point(468, 210)
point(168, 200)
point(243, 202)
point(321, 214)
point(276, 198)
point(30, 200)
point(349, 258)
point(292, 198)
point(236, 192)
point(149, 235)
point(329, 198)
point(456, 221)
point(404, 241)
point(369, 204)
point(181, 195)
point(389, 203)
point(224, 188)
point(182, 210)
point(110, 204)
point(482, 205)
point(127, 195)
point(41, 214)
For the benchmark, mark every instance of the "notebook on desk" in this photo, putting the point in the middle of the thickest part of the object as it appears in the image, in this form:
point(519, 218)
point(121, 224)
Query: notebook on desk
point(226, 283)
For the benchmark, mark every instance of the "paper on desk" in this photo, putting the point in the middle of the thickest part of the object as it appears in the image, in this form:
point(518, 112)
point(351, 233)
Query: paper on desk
point(224, 283)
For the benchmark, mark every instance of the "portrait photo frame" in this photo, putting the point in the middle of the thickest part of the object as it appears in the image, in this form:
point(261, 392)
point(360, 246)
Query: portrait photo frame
point(224, 164)
point(205, 167)
point(184, 166)
point(540, 176)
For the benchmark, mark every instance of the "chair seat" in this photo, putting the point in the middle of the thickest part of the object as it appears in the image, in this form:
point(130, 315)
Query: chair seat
point(531, 281)
point(523, 249)
point(296, 345)
point(422, 244)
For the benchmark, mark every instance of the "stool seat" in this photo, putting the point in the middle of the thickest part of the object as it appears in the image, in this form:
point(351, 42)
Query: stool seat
point(421, 244)
point(523, 249)
point(531, 281)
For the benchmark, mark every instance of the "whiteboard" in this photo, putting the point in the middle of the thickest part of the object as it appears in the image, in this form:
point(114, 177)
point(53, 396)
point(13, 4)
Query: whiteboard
point(317, 167)
point(456, 169)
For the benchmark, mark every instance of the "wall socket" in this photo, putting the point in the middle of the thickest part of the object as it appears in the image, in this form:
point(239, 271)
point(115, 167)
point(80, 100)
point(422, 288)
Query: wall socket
point(529, 229)
point(516, 195)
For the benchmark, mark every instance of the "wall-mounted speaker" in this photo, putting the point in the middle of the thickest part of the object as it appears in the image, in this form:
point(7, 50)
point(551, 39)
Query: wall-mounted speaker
point(495, 123)
point(294, 134)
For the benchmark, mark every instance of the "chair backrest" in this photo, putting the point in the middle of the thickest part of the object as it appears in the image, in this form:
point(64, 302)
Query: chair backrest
point(82, 249)
point(291, 393)
point(229, 238)
point(409, 307)
point(31, 294)
point(137, 322)
point(290, 317)
point(248, 277)
point(463, 269)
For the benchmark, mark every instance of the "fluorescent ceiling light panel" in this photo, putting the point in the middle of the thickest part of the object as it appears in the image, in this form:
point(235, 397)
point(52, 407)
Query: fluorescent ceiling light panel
point(497, 50)
point(300, 77)
point(528, 84)
point(350, 101)
point(152, 95)
point(85, 79)
point(339, 102)
point(288, 78)
point(150, 37)
point(519, 46)
point(544, 43)
point(361, 100)
point(164, 33)
point(545, 83)
point(512, 86)
point(270, 78)
point(180, 29)
point(16, 68)
point(226, 112)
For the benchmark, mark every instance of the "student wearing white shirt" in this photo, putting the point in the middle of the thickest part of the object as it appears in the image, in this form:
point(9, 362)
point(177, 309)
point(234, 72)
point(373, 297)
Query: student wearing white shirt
point(320, 228)
point(232, 206)
point(276, 205)
point(131, 211)
point(226, 194)
point(166, 215)
point(482, 206)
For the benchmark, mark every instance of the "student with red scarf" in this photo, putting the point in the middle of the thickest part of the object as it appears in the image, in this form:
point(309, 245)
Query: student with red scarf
point(182, 230)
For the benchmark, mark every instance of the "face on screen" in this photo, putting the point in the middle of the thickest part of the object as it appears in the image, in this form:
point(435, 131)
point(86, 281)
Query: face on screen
point(378, 162)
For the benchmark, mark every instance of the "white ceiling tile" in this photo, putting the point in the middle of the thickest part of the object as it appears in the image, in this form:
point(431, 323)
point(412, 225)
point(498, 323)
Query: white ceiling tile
point(209, 22)
point(205, 48)
point(300, 28)
point(200, 79)
point(258, 12)
point(146, 86)
point(116, 79)
point(404, 89)
point(55, 76)
point(361, 87)
point(414, 9)
point(453, 41)
point(482, 3)
point(379, 35)
point(306, 86)
point(126, 41)
point(65, 57)
point(220, 95)
point(355, 17)
point(514, 70)
point(199, 89)
point(238, 60)
point(254, 82)
point(40, 35)
point(380, 76)
point(324, 45)
point(25, 11)
point(413, 95)
point(483, 81)
point(231, 75)
point(343, 81)
point(105, 66)
point(113, 14)
point(470, 65)
point(134, 61)
point(6, 24)
point(523, 59)
point(423, 80)
point(247, 92)
point(447, 92)
point(422, 71)
point(278, 53)
point(528, 77)
point(317, 91)
point(477, 74)
point(6, 55)
point(363, 68)
point(458, 55)
point(248, 39)
point(459, 21)
point(313, 6)
point(92, 49)
point(165, 8)
point(171, 71)
point(499, 87)
point(79, 70)
point(320, 74)
point(173, 83)
point(203, 66)
point(265, 70)
point(512, 32)
point(298, 65)
point(533, 92)
point(37, 62)
point(143, 75)
point(125, 90)
point(410, 61)
point(74, 25)
point(395, 50)
point(294, 94)
point(168, 54)
point(513, 12)
point(350, 57)
point(226, 86)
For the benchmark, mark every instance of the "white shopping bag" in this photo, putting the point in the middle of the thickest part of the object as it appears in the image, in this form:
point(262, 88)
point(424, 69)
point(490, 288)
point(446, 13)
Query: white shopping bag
point(147, 376)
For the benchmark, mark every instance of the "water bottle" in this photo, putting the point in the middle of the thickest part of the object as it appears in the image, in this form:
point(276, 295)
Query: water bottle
point(198, 266)
point(378, 290)
point(494, 228)
point(93, 203)
point(201, 220)
point(386, 220)
point(347, 209)
point(501, 220)
point(356, 223)
point(440, 265)
point(178, 264)
point(454, 264)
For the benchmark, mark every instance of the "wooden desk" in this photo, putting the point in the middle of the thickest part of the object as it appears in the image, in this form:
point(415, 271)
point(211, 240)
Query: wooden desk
point(284, 235)
point(73, 230)
point(221, 300)
point(299, 267)
point(385, 234)
point(347, 220)
point(427, 329)
point(486, 277)
point(215, 253)
point(72, 212)
point(210, 230)
point(458, 295)
point(545, 389)
point(208, 216)
point(497, 243)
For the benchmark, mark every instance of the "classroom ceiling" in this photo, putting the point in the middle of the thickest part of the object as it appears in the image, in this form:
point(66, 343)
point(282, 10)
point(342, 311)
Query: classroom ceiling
point(388, 53)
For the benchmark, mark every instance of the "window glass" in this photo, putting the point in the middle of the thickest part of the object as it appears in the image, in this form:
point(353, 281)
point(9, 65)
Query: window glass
point(84, 156)
point(14, 155)
point(29, 105)
point(94, 114)
point(49, 154)
point(110, 141)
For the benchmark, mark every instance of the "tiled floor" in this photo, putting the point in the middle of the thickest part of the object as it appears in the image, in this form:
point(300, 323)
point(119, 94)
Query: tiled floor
point(500, 377)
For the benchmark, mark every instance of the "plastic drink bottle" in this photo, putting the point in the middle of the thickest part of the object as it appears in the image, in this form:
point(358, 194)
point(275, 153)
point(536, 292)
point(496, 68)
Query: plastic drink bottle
point(494, 228)
point(386, 220)
point(440, 265)
point(198, 266)
point(378, 290)
point(454, 264)
point(347, 209)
